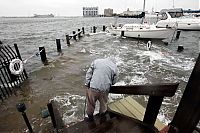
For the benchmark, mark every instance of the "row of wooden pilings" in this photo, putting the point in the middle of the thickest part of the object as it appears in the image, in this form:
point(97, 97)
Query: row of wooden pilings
point(75, 35)
point(51, 111)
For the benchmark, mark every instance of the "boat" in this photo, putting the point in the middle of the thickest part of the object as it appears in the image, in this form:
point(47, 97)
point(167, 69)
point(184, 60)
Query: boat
point(183, 23)
point(43, 16)
point(132, 14)
point(142, 30)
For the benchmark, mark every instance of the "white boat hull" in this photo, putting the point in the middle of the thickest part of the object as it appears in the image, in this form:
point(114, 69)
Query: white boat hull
point(151, 33)
point(188, 26)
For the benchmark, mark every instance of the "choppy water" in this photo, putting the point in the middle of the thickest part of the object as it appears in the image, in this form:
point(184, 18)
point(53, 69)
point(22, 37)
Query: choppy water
point(63, 79)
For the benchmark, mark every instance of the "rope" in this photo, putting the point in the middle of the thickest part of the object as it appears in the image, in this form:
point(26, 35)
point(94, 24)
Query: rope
point(37, 54)
point(16, 66)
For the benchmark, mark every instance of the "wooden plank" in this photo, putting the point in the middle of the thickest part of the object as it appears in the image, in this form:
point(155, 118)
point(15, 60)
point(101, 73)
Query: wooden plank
point(133, 102)
point(133, 109)
point(122, 109)
point(113, 107)
point(165, 89)
point(158, 124)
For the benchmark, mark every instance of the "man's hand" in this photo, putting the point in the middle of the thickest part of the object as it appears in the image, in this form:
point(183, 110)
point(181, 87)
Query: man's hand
point(87, 85)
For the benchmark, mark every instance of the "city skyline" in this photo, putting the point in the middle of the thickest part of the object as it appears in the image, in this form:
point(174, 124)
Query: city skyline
point(74, 8)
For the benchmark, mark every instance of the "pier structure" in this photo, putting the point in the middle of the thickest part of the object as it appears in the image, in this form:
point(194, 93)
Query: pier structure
point(127, 115)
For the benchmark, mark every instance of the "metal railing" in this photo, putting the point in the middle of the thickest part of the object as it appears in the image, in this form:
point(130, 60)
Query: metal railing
point(9, 81)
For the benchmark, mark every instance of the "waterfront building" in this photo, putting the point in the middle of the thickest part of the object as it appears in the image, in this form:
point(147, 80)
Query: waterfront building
point(108, 12)
point(90, 11)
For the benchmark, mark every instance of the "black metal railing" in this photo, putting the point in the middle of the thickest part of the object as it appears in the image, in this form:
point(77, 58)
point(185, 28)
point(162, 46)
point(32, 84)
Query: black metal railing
point(9, 81)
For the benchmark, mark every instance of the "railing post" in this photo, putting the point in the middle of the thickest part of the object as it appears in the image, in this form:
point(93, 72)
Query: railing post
point(43, 54)
point(83, 30)
point(50, 108)
point(58, 45)
point(94, 29)
point(152, 109)
point(122, 33)
point(79, 33)
point(104, 28)
point(21, 108)
point(74, 35)
point(178, 34)
point(180, 48)
point(67, 39)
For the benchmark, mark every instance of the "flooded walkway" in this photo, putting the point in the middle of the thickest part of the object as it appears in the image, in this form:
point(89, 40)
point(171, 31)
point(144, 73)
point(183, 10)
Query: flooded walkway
point(63, 79)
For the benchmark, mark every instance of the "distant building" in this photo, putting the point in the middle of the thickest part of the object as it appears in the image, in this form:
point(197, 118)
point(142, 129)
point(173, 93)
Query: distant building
point(108, 12)
point(90, 11)
point(43, 16)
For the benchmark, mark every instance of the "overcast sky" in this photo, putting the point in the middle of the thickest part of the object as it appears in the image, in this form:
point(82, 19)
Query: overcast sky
point(74, 7)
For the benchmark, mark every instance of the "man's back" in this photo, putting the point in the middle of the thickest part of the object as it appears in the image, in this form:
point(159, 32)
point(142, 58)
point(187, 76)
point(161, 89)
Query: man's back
point(104, 72)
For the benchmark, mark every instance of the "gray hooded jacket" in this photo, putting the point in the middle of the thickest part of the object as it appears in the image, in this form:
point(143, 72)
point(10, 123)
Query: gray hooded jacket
point(102, 74)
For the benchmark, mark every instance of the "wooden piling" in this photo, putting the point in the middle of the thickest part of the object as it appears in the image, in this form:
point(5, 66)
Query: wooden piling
point(58, 45)
point(178, 34)
point(67, 40)
point(180, 48)
point(74, 35)
point(79, 33)
point(122, 33)
point(104, 28)
point(43, 54)
point(94, 29)
point(50, 108)
point(83, 30)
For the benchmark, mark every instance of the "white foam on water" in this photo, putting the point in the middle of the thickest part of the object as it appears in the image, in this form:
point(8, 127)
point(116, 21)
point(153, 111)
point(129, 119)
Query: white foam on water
point(138, 80)
point(153, 55)
point(120, 83)
point(116, 41)
point(114, 97)
point(185, 79)
point(163, 118)
point(124, 47)
point(69, 106)
point(97, 33)
point(83, 50)
point(185, 65)
point(119, 60)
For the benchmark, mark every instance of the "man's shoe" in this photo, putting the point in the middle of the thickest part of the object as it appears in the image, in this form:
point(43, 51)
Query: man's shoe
point(89, 119)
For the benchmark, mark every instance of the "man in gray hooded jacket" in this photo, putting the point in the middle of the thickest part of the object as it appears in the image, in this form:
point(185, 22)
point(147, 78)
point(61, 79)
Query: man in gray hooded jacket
point(100, 76)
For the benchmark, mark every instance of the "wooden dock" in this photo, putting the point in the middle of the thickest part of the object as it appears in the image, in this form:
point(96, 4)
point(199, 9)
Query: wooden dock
point(131, 108)
point(127, 107)
point(127, 115)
